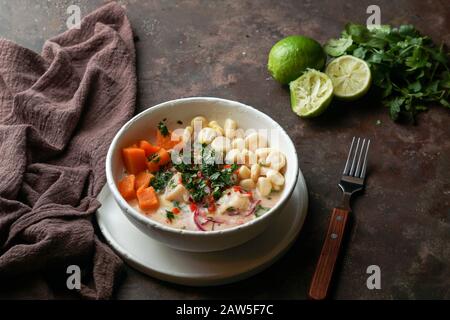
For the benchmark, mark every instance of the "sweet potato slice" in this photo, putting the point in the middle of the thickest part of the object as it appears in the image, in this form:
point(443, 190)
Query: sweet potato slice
point(126, 187)
point(134, 160)
point(148, 147)
point(143, 180)
point(147, 198)
point(164, 157)
point(166, 142)
point(158, 159)
point(152, 166)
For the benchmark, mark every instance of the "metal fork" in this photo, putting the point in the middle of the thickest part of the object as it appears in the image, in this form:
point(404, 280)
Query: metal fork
point(352, 181)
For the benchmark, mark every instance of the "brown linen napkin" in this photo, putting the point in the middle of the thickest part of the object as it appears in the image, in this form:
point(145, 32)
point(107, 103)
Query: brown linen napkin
point(58, 114)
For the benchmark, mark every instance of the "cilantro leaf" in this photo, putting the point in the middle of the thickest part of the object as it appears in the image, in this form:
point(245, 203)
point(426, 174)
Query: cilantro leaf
point(360, 52)
point(163, 129)
point(395, 107)
point(358, 32)
point(445, 103)
point(169, 215)
point(337, 47)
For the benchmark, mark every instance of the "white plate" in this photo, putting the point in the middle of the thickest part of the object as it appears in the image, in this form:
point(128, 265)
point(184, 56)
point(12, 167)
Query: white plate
point(202, 269)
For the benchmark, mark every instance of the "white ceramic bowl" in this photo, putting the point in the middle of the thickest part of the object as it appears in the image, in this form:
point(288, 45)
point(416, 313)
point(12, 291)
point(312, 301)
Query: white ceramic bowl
point(143, 126)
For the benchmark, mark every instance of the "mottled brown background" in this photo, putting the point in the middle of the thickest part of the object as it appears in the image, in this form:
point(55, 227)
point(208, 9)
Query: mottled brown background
point(219, 48)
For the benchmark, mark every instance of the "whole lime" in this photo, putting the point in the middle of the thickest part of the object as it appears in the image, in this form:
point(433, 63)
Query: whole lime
point(291, 56)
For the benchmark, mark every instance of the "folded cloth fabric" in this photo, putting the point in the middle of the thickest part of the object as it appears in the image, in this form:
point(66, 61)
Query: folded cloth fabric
point(58, 114)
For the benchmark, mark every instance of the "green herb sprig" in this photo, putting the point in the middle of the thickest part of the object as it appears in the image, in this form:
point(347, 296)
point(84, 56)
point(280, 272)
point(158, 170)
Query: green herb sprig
point(408, 68)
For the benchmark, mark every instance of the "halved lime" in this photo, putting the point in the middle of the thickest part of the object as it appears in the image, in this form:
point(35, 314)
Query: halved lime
point(351, 77)
point(311, 93)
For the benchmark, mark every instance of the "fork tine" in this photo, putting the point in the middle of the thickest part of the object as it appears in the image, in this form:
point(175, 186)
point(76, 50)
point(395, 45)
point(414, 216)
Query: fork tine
point(363, 171)
point(348, 157)
point(354, 158)
point(358, 166)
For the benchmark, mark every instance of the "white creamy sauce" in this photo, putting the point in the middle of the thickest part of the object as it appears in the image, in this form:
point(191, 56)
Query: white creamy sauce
point(222, 219)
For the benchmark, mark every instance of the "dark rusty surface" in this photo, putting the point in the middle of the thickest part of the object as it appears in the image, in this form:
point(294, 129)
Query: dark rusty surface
point(219, 48)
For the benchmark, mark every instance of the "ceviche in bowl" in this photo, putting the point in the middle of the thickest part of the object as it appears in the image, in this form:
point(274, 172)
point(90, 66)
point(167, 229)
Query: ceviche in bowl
point(201, 174)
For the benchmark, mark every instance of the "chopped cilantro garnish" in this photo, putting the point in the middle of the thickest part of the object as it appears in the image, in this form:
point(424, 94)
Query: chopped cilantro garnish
point(172, 184)
point(159, 182)
point(169, 215)
point(207, 178)
point(260, 210)
point(163, 129)
point(215, 176)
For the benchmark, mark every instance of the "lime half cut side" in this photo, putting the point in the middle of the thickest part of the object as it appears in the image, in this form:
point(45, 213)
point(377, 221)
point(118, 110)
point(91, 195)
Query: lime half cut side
point(311, 93)
point(351, 77)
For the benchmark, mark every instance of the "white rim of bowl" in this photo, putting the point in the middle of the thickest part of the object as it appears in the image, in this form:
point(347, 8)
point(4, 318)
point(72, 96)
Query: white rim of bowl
point(157, 225)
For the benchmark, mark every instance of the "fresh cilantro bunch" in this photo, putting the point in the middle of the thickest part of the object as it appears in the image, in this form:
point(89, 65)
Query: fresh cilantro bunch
point(408, 68)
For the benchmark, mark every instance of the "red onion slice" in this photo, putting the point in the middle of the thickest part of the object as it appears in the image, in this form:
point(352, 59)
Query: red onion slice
point(233, 213)
point(196, 221)
point(252, 208)
point(215, 220)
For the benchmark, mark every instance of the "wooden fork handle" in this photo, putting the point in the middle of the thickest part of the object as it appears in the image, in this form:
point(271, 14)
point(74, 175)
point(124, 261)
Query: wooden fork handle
point(328, 256)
